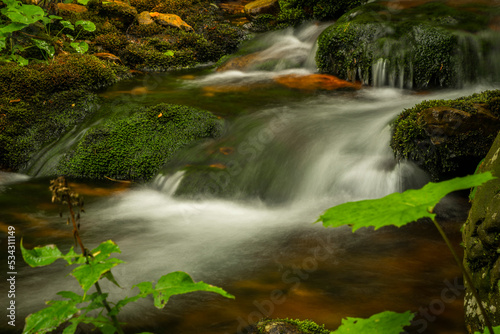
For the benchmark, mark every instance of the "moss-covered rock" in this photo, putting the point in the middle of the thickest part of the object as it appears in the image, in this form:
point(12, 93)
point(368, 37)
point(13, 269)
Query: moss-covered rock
point(27, 126)
point(429, 45)
point(289, 326)
point(448, 137)
point(481, 237)
point(66, 72)
point(259, 7)
point(136, 147)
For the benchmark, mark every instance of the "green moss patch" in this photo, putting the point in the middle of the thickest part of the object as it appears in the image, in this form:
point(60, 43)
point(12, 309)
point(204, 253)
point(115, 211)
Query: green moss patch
point(26, 127)
point(136, 147)
point(68, 72)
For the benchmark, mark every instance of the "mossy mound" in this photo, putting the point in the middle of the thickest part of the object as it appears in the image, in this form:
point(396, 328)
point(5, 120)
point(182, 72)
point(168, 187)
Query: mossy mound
point(429, 45)
point(290, 326)
point(26, 127)
point(68, 72)
point(135, 148)
point(481, 236)
point(448, 138)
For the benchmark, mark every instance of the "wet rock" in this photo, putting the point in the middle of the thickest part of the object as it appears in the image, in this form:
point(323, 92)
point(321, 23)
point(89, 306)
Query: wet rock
point(120, 11)
point(144, 18)
point(171, 20)
point(448, 138)
point(259, 7)
point(315, 82)
point(481, 237)
point(444, 123)
point(70, 8)
point(416, 47)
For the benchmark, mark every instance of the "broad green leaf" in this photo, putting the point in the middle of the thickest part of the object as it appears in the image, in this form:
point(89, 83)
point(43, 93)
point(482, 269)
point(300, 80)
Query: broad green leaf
point(83, 2)
point(20, 60)
point(80, 47)
point(169, 53)
point(15, 26)
point(26, 14)
point(50, 317)
point(88, 274)
point(41, 256)
point(381, 323)
point(86, 25)
point(71, 296)
point(496, 329)
point(399, 208)
point(55, 17)
point(101, 322)
point(2, 43)
point(67, 24)
point(104, 250)
point(45, 46)
point(177, 283)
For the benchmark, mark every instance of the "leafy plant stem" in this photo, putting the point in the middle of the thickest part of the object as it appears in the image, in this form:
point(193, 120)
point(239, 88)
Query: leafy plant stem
point(466, 276)
point(85, 253)
point(108, 308)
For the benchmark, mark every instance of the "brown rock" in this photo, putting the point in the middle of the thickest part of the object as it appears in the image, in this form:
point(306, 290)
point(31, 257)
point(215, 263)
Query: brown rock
point(144, 18)
point(314, 82)
point(440, 123)
point(171, 20)
point(69, 8)
point(239, 63)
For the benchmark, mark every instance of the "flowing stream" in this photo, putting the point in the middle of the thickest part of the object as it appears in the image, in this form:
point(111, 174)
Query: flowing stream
point(286, 156)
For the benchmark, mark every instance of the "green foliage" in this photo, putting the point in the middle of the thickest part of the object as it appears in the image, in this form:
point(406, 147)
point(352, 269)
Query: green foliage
point(381, 323)
point(496, 330)
point(21, 16)
point(398, 209)
point(136, 147)
point(92, 266)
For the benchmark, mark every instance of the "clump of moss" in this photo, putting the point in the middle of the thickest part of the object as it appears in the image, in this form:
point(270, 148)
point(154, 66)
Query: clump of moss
point(461, 152)
point(27, 126)
point(68, 72)
point(136, 147)
point(111, 42)
point(287, 326)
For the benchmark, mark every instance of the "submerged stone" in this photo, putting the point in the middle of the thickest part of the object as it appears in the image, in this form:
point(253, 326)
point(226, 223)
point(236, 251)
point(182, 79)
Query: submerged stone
point(315, 82)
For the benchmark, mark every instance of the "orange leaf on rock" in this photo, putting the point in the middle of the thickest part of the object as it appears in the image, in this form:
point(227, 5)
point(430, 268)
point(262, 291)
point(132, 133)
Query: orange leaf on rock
point(315, 81)
point(218, 166)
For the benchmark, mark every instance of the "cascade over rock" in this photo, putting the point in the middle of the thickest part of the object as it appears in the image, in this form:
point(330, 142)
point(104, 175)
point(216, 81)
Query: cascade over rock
point(480, 236)
point(434, 44)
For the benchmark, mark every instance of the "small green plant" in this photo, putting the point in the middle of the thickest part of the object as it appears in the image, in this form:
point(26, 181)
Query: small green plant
point(22, 16)
point(399, 209)
point(92, 266)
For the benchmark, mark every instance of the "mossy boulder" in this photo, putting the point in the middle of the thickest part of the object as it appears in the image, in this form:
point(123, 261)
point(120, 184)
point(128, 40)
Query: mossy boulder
point(481, 237)
point(448, 137)
point(65, 72)
point(289, 326)
point(424, 46)
point(136, 148)
point(27, 126)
